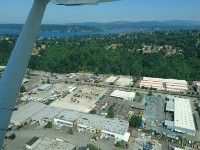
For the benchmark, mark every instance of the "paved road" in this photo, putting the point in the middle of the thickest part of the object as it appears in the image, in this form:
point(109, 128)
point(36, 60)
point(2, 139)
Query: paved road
point(131, 88)
point(78, 139)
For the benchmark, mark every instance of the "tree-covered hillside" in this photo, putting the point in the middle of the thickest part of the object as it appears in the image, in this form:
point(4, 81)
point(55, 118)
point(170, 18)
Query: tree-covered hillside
point(171, 54)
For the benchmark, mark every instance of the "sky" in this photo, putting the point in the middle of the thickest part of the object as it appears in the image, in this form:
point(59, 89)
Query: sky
point(16, 11)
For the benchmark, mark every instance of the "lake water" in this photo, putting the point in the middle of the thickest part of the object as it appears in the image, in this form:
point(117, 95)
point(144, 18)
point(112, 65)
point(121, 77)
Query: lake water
point(66, 34)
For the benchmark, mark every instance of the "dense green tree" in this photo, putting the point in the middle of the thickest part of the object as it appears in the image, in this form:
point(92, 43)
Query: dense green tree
point(120, 144)
point(48, 125)
point(135, 121)
point(22, 89)
point(48, 81)
point(70, 131)
point(150, 93)
point(93, 111)
point(110, 113)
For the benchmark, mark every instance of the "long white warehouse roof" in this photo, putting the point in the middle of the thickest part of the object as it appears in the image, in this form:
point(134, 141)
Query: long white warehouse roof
point(183, 117)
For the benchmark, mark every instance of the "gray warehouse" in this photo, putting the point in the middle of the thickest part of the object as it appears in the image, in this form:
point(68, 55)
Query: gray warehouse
point(24, 113)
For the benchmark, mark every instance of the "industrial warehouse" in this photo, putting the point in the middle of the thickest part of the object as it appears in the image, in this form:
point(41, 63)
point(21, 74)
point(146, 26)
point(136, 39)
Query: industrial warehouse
point(171, 85)
point(114, 128)
point(183, 116)
point(40, 113)
point(35, 112)
point(123, 95)
point(44, 87)
point(24, 113)
point(46, 114)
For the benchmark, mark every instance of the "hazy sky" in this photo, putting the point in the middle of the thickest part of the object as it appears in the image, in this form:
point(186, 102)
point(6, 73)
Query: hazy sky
point(16, 11)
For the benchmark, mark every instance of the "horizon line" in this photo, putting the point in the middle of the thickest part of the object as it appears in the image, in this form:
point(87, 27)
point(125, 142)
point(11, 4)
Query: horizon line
point(104, 22)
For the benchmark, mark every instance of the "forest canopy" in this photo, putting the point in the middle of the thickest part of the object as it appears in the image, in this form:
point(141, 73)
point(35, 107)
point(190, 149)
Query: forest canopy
point(158, 54)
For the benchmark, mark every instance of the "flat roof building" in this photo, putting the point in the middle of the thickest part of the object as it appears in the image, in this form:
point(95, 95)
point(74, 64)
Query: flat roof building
point(24, 113)
point(97, 124)
point(170, 98)
point(46, 114)
point(171, 85)
point(44, 87)
point(123, 95)
point(176, 148)
point(170, 106)
point(33, 143)
point(111, 80)
point(24, 81)
point(169, 125)
point(49, 144)
point(151, 84)
point(183, 118)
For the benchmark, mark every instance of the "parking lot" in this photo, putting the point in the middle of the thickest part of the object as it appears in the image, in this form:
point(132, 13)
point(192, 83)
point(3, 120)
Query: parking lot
point(82, 99)
point(77, 138)
point(120, 107)
point(51, 94)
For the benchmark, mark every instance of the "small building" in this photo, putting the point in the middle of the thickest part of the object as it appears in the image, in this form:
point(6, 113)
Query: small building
point(49, 144)
point(170, 106)
point(169, 125)
point(177, 148)
point(123, 95)
point(30, 145)
point(73, 76)
point(111, 80)
point(44, 87)
point(24, 81)
point(71, 88)
point(170, 98)
point(2, 68)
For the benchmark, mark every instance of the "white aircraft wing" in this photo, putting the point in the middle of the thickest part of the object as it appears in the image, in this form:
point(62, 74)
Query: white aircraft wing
point(79, 2)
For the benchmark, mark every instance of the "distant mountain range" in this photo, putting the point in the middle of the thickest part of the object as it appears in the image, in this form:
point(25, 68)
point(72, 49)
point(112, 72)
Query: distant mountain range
point(144, 26)
point(142, 23)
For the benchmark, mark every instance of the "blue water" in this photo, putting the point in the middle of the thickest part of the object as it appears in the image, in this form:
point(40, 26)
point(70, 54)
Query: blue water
point(64, 34)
